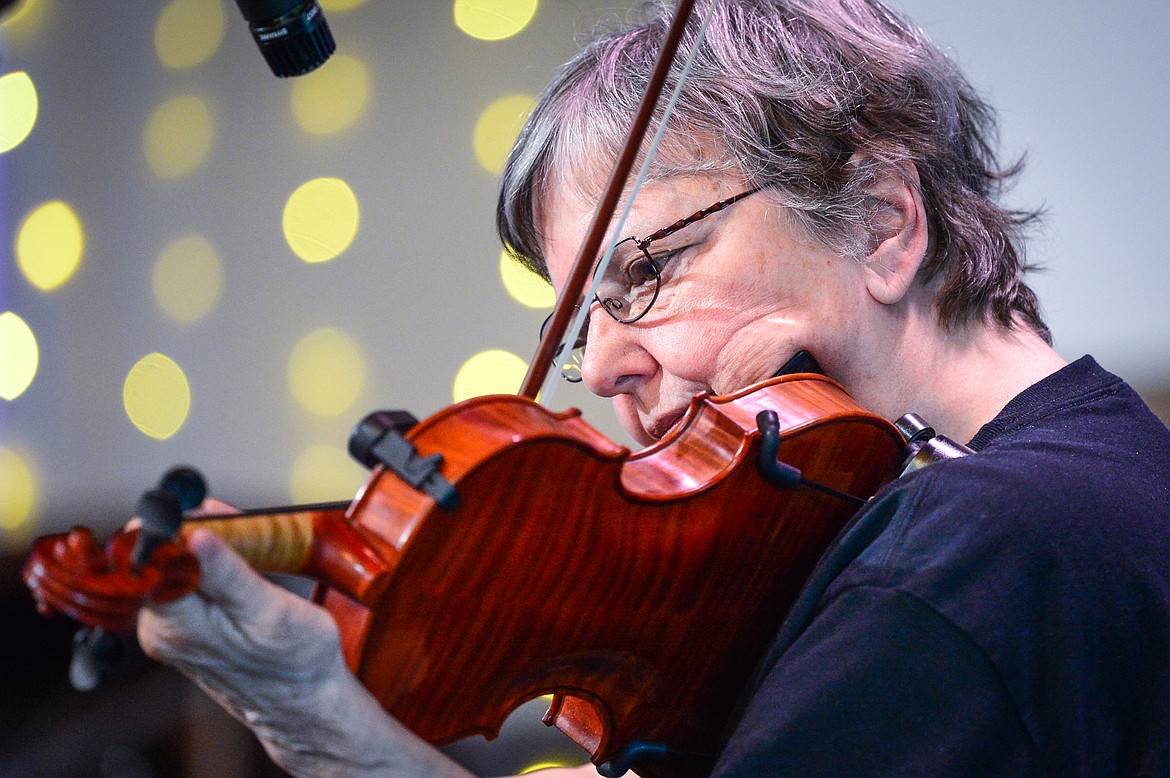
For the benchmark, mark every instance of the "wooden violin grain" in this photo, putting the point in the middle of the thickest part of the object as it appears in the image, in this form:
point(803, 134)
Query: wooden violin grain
point(641, 589)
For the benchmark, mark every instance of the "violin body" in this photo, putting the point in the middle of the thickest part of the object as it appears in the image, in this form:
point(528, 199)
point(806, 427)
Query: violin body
point(641, 589)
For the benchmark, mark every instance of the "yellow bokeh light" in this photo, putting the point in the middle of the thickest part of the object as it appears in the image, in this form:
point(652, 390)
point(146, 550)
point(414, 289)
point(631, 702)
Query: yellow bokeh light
point(545, 765)
point(18, 490)
point(323, 473)
point(329, 6)
point(497, 128)
point(489, 372)
point(178, 136)
point(156, 396)
point(188, 32)
point(331, 98)
point(19, 355)
point(493, 20)
point(523, 285)
point(326, 372)
point(187, 279)
point(321, 219)
point(49, 245)
point(25, 20)
point(18, 109)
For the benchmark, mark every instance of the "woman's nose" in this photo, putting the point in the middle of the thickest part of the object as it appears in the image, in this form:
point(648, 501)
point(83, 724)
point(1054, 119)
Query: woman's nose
point(615, 362)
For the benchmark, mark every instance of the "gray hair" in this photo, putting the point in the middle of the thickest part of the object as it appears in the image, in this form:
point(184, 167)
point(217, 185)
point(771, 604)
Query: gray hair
point(808, 99)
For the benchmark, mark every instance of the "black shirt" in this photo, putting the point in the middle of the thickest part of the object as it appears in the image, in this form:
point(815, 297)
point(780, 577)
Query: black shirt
point(1007, 613)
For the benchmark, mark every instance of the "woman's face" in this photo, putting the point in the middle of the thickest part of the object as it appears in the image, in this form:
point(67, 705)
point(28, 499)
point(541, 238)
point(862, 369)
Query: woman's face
point(742, 291)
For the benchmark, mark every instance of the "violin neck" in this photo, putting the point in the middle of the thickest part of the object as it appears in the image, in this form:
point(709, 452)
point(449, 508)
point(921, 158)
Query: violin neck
point(315, 541)
point(277, 540)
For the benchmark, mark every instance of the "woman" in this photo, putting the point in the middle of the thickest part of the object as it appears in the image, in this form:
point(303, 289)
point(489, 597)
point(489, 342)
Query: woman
point(827, 185)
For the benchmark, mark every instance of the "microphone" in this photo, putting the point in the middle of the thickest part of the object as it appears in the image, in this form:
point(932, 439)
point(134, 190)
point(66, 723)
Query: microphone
point(292, 35)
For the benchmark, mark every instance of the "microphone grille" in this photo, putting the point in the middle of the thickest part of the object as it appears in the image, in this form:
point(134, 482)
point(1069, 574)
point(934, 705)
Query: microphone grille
point(297, 43)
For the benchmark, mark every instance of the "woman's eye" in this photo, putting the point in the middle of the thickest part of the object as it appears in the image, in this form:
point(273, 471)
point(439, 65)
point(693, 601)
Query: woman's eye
point(663, 259)
point(641, 271)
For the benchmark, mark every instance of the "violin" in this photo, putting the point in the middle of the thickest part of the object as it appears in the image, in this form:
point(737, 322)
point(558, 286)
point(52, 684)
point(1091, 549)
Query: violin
point(500, 551)
point(641, 589)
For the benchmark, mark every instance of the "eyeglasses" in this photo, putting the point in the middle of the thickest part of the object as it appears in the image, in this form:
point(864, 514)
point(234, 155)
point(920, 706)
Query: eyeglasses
point(628, 290)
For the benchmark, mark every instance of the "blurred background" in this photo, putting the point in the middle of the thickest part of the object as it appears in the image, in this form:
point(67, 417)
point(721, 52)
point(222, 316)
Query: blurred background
point(201, 263)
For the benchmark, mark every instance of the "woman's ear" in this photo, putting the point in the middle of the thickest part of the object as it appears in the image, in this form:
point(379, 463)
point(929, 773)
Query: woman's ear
point(898, 235)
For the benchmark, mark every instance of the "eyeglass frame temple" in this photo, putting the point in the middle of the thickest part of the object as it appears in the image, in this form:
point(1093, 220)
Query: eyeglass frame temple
point(643, 245)
point(702, 213)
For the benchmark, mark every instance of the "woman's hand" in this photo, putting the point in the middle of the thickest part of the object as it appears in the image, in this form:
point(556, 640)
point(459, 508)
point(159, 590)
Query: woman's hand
point(273, 660)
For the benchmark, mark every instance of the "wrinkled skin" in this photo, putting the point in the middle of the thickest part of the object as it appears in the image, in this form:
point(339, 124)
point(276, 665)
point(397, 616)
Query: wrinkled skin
point(745, 293)
point(273, 660)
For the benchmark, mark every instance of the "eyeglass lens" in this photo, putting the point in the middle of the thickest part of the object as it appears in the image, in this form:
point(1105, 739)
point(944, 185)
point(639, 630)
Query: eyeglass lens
point(629, 286)
point(570, 366)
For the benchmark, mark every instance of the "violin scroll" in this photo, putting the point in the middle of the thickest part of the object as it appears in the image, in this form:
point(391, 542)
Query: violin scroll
point(71, 573)
point(105, 588)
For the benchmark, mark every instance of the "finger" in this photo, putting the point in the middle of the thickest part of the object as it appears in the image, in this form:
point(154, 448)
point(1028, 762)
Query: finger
point(165, 631)
point(213, 507)
point(238, 612)
point(227, 580)
point(227, 585)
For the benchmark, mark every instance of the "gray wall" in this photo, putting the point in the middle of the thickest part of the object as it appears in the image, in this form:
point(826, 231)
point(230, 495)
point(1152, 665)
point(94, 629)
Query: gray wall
point(1081, 87)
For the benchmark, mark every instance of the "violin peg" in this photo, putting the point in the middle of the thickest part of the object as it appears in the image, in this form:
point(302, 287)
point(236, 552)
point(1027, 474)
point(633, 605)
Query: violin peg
point(95, 653)
point(187, 484)
point(161, 513)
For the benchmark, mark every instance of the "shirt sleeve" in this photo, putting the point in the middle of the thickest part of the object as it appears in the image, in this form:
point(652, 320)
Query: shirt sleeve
point(880, 684)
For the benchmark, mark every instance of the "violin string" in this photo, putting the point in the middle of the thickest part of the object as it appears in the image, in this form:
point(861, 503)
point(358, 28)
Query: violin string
point(552, 380)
